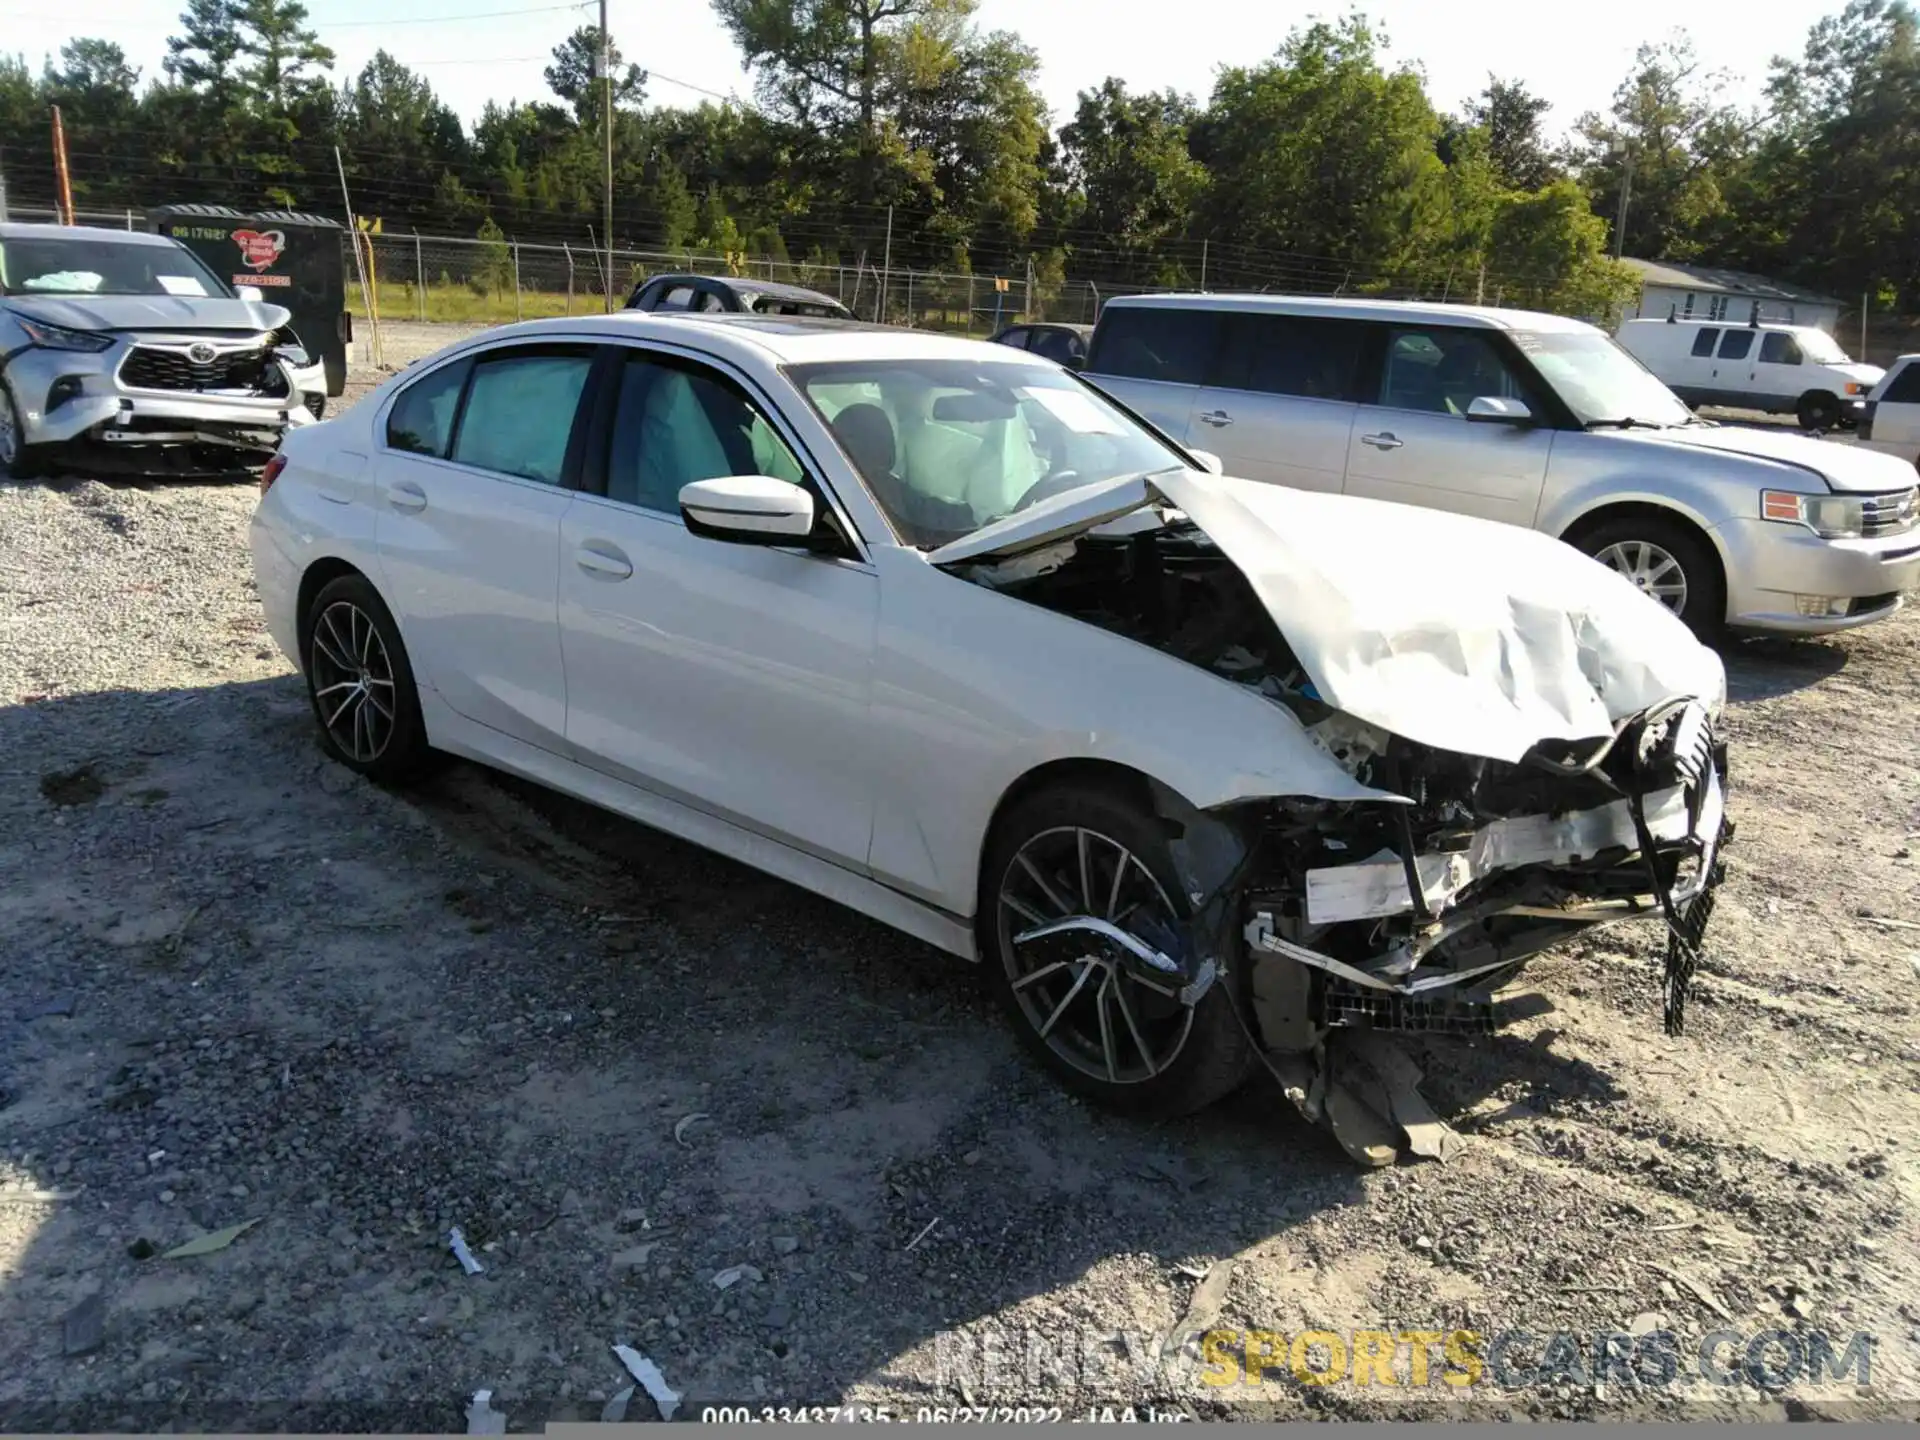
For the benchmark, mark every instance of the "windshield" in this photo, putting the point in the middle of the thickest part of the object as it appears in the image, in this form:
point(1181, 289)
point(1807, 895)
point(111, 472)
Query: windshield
point(61, 265)
point(1820, 348)
point(1599, 381)
point(947, 446)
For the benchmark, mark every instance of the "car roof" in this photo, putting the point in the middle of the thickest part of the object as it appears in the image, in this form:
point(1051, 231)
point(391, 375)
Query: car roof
point(747, 285)
point(82, 234)
point(780, 339)
point(1483, 317)
point(1694, 321)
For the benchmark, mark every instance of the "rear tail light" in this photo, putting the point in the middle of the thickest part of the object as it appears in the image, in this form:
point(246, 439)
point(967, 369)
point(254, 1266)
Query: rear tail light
point(272, 472)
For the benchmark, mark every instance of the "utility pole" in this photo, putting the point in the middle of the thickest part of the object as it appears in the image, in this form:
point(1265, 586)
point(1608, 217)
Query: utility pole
point(886, 271)
point(1203, 264)
point(64, 197)
point(1624, 148)
point(606, 124)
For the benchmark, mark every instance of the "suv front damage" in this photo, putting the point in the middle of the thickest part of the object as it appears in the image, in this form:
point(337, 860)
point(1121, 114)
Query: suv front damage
point(1538, 745)
point(122, 354)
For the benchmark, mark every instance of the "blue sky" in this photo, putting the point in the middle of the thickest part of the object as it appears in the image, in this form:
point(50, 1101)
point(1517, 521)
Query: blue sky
point(1149, 43)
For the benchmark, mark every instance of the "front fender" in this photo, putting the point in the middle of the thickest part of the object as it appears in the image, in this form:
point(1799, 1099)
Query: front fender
point(973, 690)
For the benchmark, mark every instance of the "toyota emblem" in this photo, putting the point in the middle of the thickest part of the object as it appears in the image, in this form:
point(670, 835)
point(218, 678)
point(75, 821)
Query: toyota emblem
point(201, 353)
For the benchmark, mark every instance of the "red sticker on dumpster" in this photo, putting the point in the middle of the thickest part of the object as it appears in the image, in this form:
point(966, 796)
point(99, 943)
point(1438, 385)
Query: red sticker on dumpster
point(259, 248)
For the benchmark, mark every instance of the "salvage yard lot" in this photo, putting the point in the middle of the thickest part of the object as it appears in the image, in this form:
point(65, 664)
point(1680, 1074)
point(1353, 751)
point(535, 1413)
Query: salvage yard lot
point(241, 984)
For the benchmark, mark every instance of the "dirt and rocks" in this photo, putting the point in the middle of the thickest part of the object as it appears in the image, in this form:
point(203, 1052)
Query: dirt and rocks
point(239, 984)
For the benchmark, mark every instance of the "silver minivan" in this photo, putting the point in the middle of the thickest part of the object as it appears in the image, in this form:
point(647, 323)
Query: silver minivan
point(1531, 419)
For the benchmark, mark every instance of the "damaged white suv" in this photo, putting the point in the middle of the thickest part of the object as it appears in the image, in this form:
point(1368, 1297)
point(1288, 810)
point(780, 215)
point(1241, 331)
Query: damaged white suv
point(1208, 773)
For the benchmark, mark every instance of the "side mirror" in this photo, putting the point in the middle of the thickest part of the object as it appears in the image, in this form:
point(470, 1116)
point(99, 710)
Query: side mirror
point(1209, 462)
point(250, 293)
point(1497, 410)
point(748, 510)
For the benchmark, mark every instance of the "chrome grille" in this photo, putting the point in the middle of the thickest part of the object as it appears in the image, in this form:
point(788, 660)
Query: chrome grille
point(1888, 514)
point(148, 367)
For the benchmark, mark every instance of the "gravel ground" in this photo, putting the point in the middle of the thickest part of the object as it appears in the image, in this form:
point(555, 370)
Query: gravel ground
point(239, 984)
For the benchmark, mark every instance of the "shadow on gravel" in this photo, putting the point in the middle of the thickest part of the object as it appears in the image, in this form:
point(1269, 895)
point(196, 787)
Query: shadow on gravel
point(1772, 666)
point(242, 985)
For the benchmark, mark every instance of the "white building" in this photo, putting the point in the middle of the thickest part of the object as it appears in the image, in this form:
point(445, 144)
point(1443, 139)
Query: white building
point(1704, 292)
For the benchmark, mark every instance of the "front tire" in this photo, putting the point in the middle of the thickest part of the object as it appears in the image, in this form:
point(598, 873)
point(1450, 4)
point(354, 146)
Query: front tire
point(1817, 410)
point(1670, 562)
point(1104, 1029)
point(361, 684)
point(17, 460)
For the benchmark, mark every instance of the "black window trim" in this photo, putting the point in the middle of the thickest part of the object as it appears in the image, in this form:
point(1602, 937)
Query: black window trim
point(384, 435)
point(597, 440)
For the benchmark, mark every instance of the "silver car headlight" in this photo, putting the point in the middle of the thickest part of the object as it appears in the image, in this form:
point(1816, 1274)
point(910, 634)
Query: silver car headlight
point(59, 337)
point(1831, 517)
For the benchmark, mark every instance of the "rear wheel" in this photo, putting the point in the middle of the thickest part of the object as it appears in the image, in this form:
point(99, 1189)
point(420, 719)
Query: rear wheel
point(1817, 410)
point(361, 684)
point(1107, 1024)
point(1669, 561)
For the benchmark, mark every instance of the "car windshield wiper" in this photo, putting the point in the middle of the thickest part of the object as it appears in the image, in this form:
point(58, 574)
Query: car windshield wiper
point(1625, 423)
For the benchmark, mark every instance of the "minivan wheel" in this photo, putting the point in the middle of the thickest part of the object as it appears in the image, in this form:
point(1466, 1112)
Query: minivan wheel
point(1669, 562)
point(1818, 410)
point(361, 684)
point(1106, 1025)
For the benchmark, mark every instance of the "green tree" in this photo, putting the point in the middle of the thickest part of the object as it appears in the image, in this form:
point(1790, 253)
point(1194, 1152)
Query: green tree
point(1509, 116)
point(1322, 154)
point(1125, 157)
point(1667, 139)
point(573, 76)
point(205, 55)
point(283, 54)
point(1548, 251)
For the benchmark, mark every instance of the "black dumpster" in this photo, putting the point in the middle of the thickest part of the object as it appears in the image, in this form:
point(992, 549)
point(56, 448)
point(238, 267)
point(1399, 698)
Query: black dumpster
point(296, 260)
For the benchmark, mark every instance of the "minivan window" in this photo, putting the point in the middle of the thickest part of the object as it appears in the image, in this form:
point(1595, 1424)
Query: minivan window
point(1598, 380)
point(1296, 355)
point(1148, 342)
point(1778, 348)
point(1736, 345)
point(1703, 342)
point(1904, 388)
point(1444, 371)
point(421, 421)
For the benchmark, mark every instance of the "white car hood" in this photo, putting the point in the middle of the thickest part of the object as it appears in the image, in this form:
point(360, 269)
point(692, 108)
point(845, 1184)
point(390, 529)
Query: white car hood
point(1844, 467)
point(1451, 631)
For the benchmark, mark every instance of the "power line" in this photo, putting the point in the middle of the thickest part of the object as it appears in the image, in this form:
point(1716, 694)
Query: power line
point(441, 19)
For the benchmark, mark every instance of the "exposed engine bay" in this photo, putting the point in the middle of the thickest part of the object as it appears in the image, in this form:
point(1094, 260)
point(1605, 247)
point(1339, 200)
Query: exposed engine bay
point(1344, 919)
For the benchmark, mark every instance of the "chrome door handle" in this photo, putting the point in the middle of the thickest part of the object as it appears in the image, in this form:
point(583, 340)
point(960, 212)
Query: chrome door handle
point(603, 559)
point(1385, 440)
point(1219, 419)
point(405, 495)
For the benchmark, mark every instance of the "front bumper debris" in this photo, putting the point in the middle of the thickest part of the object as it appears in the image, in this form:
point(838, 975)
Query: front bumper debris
point(1494, 897)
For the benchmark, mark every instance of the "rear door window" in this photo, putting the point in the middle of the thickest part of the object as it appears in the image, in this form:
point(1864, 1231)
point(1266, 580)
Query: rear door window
point(678, 298)
point(1736, 344)
point(520, 412)
point(1315, 359)
point(1703, 342)
point(421, 421)
point(1149, 342)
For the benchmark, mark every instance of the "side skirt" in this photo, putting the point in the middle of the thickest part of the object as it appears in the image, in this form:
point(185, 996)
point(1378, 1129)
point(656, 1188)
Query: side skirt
point(456, 735)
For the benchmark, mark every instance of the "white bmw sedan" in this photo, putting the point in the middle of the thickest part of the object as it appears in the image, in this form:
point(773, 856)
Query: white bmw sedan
point(1208, 774)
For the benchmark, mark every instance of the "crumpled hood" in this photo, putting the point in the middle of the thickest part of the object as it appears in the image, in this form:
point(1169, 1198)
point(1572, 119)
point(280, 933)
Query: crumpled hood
point(148, 312)
point(1843, 467)
point(1455, 632)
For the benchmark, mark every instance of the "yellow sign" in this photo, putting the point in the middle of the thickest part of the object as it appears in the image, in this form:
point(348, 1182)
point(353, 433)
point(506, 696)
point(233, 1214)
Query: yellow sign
point(1000, 284)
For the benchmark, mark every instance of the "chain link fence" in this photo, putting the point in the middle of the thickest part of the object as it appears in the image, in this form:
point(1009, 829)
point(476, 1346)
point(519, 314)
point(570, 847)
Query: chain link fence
point(443, 278)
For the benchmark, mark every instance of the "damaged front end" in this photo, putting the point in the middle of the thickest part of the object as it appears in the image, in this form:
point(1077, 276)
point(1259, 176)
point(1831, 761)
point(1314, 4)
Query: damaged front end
point(1333, 922)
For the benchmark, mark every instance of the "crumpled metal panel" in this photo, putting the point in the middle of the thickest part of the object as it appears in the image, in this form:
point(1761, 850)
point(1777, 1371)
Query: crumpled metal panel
point(1455, 632)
